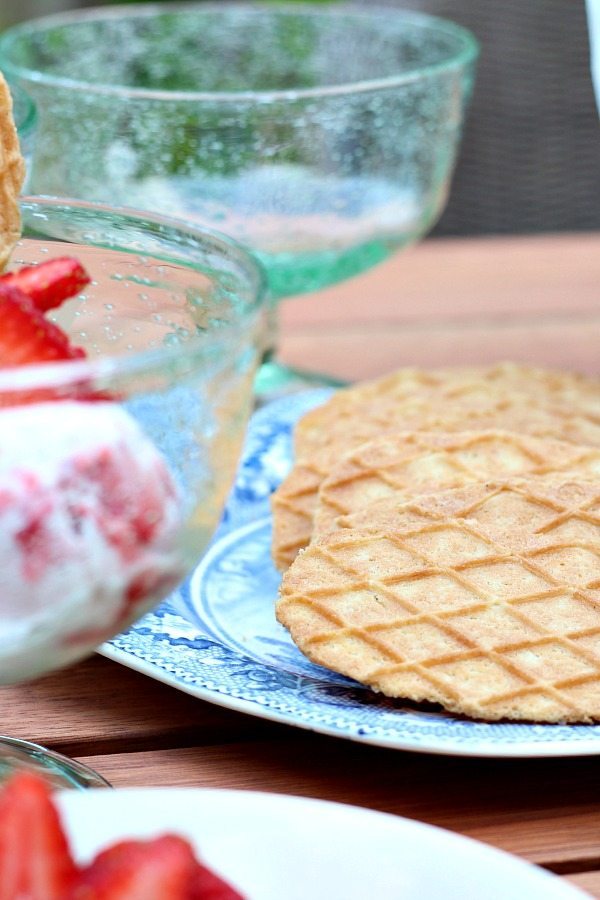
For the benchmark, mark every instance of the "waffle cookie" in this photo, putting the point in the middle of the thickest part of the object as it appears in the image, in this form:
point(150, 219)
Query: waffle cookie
point(12, 174)
point(399, 466)
point(560, 407)
point(505, 508)
point(471, 387)
point(492, 622)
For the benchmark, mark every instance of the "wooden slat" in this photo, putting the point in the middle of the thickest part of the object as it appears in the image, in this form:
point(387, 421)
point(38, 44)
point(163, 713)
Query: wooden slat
point(99, 706)
point(354, 352)
point(586, 881)
point(545, 810)
point(533, 299)
point(458, 279)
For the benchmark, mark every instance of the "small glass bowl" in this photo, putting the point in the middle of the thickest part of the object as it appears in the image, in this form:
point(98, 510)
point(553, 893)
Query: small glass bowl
point(114, 468)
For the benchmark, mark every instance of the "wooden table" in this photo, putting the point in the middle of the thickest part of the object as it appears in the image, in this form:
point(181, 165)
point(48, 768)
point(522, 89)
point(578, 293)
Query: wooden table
point(449, 301)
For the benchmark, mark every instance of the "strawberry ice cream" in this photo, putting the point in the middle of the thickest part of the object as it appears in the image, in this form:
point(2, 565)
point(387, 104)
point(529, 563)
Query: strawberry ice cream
point(89, 525)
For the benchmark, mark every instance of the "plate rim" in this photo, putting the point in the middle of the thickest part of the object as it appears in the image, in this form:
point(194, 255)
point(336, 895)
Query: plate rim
point(525, 750)
point(432, 836)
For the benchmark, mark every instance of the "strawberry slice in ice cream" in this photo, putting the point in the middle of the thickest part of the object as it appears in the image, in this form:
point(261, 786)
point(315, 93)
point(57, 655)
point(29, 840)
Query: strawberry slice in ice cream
point(89, 525)
point(90, 516)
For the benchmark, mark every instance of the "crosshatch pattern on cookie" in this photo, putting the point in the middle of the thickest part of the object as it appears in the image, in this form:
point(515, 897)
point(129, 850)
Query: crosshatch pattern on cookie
point(495, 634)
point(342, 430)
point(353, 424)
point(508, 511)
point(407, 464)
point(457, 386)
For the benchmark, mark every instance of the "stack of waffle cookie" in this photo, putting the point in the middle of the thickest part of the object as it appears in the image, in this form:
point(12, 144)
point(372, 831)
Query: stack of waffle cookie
point(439, 536)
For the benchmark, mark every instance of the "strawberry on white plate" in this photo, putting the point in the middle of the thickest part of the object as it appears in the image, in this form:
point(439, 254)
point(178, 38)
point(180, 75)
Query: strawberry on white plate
point(36, 862)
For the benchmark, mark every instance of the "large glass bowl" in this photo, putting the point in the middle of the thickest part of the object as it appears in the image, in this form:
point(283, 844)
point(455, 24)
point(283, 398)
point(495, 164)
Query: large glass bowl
point(322, 137)
point(114, 468)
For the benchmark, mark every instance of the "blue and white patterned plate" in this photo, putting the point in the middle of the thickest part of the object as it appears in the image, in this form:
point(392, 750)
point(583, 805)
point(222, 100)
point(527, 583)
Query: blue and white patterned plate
point(217, 637)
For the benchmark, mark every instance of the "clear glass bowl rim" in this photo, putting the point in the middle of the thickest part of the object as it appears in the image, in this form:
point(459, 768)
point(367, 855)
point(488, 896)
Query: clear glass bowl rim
point(195, 351)
point(467, 55)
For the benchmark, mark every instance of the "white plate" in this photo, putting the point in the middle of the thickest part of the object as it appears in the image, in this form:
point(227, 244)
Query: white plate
point(218, 639)
point(275, 847)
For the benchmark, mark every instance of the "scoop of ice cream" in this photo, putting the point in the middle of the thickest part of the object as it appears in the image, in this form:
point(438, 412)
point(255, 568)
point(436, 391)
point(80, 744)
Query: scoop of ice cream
point(89, 524)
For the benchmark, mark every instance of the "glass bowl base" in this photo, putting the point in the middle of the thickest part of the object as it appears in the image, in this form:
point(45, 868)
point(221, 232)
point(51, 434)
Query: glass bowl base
point(274, 380)
point(61, 772)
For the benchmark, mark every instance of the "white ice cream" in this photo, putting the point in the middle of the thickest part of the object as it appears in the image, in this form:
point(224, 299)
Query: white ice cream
point(89, 525)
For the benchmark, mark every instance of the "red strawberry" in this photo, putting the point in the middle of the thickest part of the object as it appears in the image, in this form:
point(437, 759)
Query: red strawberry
point(26, 336)
point(158, 869)
point(50, 282)
point(206, 885)
point(35, 862)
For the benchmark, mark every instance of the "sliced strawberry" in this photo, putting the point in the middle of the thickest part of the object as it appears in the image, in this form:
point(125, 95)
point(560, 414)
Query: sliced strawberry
point(158, 869)
point(206, 885)
point(26, 336)
point(49, 283)
point(35, 862)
